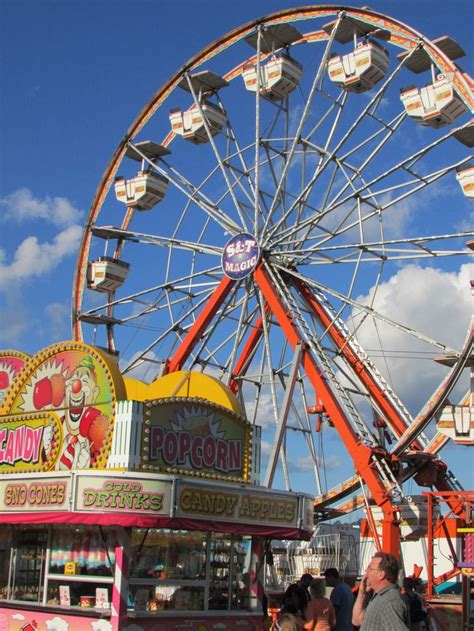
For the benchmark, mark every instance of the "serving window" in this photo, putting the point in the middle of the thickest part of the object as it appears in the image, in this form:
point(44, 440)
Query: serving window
point(170, 570)
point(188, 571)
point(54, 565)
point(23, 552)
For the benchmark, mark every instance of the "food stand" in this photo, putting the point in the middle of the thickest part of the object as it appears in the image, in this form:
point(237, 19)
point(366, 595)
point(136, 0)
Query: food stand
point(130, 506)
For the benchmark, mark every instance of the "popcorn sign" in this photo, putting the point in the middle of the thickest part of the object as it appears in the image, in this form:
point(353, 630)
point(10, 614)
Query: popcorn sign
point(240, 256)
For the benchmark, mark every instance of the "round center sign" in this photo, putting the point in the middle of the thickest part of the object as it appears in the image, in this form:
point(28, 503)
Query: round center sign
point(240, 256)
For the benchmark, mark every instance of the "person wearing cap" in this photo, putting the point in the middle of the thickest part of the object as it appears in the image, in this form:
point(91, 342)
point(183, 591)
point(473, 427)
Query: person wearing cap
point(341, 598)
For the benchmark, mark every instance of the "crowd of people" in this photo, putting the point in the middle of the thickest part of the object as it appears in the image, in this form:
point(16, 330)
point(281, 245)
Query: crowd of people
point(378, 604)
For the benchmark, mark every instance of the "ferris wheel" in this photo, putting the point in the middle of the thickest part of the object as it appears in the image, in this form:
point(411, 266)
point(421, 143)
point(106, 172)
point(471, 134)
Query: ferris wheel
point(253, 211)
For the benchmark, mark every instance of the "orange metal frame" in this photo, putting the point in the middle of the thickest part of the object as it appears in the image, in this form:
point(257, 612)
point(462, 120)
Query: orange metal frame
point(460, 502)
point(364, 457)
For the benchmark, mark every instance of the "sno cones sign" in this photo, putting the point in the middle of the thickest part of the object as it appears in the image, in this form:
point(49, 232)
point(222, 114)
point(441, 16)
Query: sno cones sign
point(58, 413)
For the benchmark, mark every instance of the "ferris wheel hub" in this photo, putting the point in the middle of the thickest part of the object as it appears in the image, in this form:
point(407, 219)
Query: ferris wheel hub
point(240, 256)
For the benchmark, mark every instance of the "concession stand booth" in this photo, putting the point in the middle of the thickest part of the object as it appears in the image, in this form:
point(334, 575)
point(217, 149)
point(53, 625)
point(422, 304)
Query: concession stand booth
point(127, 505)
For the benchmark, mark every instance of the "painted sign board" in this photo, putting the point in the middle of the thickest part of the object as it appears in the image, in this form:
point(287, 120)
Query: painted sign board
point(123, 495)
point(196, 437)
point(240, 256)
point(196, 501)
point(11, 363)
point(23, 442)
point(41, 493)
point(78, 386)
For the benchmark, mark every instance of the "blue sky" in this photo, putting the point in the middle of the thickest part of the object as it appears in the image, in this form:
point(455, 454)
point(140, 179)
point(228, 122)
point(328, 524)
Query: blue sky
point(73, 77)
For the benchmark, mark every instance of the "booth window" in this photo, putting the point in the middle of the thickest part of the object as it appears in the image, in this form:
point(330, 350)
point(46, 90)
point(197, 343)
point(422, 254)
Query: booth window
point(39, 562)
point(188, 571)
point(22, 563)
point(81, 559)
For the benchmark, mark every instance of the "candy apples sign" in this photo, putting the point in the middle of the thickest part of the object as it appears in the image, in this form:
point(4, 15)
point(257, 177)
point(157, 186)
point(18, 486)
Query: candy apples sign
point(195, 437)
point(66, 394)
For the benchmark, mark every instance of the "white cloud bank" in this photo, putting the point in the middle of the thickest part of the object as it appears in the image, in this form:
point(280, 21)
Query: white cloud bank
point(21, 206)
point(32, 258)
point(431, 301)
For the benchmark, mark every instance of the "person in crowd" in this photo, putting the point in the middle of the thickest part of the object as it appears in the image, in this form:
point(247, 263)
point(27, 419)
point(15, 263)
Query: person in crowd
point(417, 612)
point(320, 615)
point(287, 622)
point(386, 610)
point(342, 599)
point(297, 596)
point(294, 600)
point(305, 582)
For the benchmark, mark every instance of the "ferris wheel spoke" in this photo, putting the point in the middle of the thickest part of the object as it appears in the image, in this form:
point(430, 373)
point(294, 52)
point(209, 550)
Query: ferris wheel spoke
point(373, 103)
point(382, 207)
point(244, 317)
point(211, 273)
point(226, 311)
point(230, 189)
point(418, 184)
point(191, 191)
point(257, 135)
point(369, 310)
point(403, 164)
point(297, 135)
point(268, 355)
point(308, 190)
point(239, 153)
point(308, 435)
point(151, 239)
point(172, 329)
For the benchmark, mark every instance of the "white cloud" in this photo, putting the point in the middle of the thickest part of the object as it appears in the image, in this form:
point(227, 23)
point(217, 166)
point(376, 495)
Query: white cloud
point(57, 624)
point(33, 258)
point(144, 371)
point(431, 301)
point(21, 206)
point(306, 463)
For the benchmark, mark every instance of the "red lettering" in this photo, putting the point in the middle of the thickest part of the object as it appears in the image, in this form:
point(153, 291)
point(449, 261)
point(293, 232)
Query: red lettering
point(184, 446)
point(196, 452)
point(156, 441)
point(170, 448)
point(235, 457)
point(209, 451)
point(222, 451)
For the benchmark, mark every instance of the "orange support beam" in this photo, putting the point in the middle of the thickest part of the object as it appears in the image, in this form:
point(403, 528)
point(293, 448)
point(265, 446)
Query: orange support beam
point(198, 329)
point(360, 369)
point(250, 347)
point(361, 455)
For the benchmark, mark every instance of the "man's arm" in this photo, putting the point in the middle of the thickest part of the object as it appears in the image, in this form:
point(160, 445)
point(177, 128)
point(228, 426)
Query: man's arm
point(358, 611)
point(335, 598)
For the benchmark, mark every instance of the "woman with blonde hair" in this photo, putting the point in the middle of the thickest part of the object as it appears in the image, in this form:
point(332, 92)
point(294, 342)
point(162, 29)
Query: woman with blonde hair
point(320, 614)
point(287, 622)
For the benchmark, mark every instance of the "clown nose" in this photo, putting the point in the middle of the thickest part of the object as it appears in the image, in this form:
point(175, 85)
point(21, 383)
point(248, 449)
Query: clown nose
point(76, 386)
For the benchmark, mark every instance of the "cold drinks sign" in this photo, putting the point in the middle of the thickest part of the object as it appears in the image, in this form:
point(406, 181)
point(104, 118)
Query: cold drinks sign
point(240, 256)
